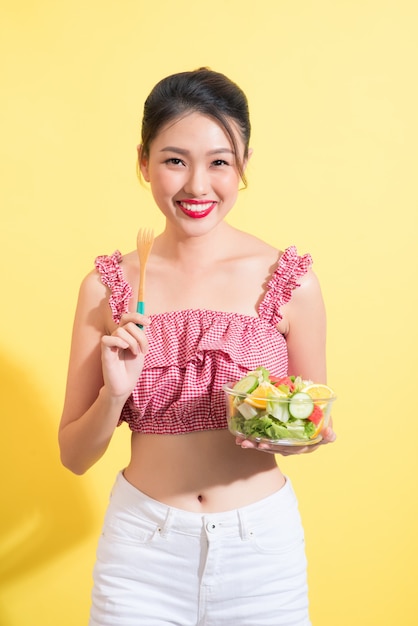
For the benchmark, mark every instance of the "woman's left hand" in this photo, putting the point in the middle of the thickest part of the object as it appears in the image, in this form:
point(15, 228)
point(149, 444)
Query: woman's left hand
point(328, 436)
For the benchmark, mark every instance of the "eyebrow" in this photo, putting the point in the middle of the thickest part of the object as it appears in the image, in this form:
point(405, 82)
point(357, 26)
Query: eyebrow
point(186, 152)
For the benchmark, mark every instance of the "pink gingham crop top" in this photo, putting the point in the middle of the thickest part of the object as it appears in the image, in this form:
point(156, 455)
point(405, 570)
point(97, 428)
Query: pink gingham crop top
point(192, 353)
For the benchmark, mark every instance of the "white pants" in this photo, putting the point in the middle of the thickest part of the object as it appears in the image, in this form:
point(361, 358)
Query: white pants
point(157, 565)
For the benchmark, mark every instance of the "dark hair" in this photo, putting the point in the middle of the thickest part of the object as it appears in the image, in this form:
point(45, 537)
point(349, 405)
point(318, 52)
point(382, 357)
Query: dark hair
point(203, 91)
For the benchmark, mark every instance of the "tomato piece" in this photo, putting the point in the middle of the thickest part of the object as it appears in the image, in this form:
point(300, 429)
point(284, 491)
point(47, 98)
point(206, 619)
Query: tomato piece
point(316, 415)
point(283, 380)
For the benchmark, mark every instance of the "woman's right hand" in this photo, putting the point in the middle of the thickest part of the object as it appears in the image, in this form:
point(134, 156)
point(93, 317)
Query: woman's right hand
point(123, 354)
point(106, 361)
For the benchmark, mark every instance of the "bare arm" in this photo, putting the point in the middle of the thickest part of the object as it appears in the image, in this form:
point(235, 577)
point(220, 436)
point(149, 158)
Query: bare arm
point(304, 326)
point(103, 370)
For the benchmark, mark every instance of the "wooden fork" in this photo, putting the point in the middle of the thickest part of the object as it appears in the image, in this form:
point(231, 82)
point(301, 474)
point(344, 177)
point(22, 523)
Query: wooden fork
point(144, 242)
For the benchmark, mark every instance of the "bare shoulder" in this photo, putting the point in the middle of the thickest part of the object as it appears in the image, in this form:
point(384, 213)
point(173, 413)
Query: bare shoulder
point(92, 287)
point(308, 280)
point(306, 293)
point(253, 249)
point(252, 243)
point(306, 302)
point(130, 267)
point(92, 306)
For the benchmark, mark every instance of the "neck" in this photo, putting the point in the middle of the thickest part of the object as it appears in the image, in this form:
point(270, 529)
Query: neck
point(194, 251)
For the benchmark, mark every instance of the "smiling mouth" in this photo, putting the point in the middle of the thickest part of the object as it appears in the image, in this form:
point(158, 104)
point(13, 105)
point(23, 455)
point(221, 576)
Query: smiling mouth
point(196, 209)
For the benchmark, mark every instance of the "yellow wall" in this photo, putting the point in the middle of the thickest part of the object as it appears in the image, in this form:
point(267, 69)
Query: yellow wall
point(333, 93)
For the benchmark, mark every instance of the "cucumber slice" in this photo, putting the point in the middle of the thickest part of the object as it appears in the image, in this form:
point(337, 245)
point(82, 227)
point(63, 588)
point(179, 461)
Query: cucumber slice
point(246, 384)
point(301, 405)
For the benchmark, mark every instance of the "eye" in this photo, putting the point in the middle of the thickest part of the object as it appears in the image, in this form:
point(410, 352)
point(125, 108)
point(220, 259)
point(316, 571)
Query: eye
point(174, 161)
point(219, 163)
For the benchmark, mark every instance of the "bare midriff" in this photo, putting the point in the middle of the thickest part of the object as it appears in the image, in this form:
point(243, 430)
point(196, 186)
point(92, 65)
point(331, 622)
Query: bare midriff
point(202, 471)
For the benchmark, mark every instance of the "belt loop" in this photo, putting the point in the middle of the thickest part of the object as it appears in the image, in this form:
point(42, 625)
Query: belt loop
point(245, 532)
point(165, 526)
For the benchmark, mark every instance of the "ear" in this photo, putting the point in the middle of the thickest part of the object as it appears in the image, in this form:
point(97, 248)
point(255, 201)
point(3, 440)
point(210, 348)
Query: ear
point(250, 154)
point(143, 164)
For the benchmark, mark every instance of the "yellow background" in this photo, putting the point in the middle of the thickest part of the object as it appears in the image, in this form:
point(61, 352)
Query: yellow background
point(333, 94)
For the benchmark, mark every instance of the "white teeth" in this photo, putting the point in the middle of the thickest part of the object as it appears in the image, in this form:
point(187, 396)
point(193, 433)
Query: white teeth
point(196, 208)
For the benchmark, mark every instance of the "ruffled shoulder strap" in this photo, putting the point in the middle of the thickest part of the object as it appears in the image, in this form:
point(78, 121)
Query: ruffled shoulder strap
point(291, 266)
point(112, 276)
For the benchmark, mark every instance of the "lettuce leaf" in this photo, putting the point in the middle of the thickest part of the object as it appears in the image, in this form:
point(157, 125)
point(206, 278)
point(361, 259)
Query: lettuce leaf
point(267, 427)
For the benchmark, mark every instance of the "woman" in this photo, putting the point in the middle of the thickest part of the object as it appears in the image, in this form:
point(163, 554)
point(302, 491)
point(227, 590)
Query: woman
point(201, 528)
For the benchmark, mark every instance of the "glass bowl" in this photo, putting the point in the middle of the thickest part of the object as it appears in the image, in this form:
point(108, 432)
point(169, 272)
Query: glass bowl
point(288, 421)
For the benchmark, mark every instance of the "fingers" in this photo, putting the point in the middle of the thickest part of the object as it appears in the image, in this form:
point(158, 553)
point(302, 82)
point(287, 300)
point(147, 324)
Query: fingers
point(128, 336)
point(263, 447)
point(328, 434)
point(328, 437)
point(136, 318)
point(283, 450)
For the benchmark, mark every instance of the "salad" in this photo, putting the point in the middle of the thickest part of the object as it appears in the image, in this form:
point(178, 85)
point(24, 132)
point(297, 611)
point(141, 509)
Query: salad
point(266, 407)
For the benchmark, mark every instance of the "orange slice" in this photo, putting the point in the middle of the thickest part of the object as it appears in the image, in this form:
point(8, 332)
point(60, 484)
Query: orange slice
point(260, 396)
point(319, 391)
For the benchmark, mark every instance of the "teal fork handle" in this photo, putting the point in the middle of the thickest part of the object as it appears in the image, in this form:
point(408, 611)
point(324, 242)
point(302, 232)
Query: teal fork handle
point(140, 308)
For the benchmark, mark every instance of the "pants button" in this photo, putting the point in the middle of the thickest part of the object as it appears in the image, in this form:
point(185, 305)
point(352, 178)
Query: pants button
point(212, 527)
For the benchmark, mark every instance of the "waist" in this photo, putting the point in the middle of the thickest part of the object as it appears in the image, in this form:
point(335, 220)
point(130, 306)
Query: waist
point(127, 497)
point(203, 471)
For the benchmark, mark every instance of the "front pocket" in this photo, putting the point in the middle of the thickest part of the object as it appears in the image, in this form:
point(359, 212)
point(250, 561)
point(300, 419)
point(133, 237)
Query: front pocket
point(274, 544)
point(135, 531)
point(280, 534)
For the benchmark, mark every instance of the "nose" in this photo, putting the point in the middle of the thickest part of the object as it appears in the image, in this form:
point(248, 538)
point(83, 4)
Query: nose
point(197, 183)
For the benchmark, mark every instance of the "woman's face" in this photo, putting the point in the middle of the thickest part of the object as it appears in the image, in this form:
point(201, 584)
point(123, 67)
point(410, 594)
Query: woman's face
point(192, 171)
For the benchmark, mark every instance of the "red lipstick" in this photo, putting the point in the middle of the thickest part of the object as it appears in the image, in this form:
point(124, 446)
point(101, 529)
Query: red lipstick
point(196, 209)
